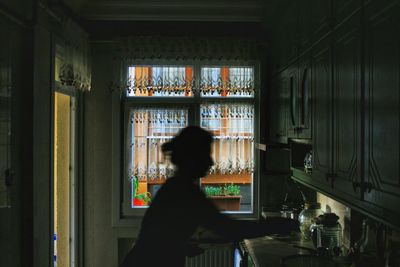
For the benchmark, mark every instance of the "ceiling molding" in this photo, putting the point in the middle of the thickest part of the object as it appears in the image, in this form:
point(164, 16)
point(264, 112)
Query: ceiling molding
point(251, 11)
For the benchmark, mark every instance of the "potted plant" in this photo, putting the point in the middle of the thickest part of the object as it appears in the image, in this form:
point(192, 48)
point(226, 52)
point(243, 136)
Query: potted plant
point(226, 198)
point(140, 199)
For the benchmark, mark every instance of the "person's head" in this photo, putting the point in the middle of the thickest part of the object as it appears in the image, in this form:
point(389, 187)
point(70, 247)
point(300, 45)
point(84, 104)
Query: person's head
point(190, 151)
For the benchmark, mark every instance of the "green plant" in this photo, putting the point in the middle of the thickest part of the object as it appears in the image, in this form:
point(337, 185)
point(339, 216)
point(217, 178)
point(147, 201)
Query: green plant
point(227, 190)
point(231, 189)
point(146, 196)
point(213, 190)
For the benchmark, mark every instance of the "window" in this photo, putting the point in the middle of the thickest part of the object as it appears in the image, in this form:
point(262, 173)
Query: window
point(163, 99)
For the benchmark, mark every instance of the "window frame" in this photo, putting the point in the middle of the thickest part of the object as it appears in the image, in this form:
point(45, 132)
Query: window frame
point(123, 214)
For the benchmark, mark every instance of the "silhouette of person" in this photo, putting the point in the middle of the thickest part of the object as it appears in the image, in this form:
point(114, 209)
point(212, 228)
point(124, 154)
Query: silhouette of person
point(180, 207)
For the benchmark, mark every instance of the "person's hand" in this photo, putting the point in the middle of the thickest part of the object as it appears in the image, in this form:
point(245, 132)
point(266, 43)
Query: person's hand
point(282, 226)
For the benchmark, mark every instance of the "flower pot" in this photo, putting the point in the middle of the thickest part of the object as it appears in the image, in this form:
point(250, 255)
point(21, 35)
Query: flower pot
point(138, 202)
point(226, 203)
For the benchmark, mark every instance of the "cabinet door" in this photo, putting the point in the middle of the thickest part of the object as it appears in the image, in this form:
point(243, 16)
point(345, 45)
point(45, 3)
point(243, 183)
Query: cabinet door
point(293, 119)
point(305, 97)
point(382, 95)
point(347, 107)
point(322, 110)
point(321, 13)
point(344, 9)
point(278, 109)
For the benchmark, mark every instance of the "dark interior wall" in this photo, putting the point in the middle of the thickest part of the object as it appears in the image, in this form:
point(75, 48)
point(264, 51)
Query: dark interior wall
point(22, 9)
point(17, 220)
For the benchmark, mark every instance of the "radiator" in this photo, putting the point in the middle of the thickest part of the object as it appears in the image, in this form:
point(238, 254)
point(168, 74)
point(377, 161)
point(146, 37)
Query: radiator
point(215, 255)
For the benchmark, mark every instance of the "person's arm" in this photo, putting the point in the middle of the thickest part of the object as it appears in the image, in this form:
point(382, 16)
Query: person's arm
point(235, 230)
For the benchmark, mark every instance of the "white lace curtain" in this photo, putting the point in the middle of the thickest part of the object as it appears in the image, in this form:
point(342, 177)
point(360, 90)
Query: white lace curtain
point(232, 126)
point(149, 129)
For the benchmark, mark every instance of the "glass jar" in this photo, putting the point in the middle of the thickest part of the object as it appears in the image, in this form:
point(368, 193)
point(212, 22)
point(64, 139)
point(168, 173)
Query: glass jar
point(308, 162)
point(326, 233)
point(307, 218)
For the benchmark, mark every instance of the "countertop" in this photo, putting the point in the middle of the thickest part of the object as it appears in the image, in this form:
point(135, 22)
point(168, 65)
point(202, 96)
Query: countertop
point(269, 250)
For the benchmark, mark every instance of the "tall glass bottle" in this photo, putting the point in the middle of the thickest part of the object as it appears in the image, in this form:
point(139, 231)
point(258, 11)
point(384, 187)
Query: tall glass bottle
point(307, 218)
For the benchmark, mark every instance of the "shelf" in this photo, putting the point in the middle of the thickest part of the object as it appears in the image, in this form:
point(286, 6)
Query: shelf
point(299, 172)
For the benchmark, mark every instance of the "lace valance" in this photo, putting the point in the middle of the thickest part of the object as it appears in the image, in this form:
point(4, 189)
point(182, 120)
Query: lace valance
point(73, 61)
point(188, 48)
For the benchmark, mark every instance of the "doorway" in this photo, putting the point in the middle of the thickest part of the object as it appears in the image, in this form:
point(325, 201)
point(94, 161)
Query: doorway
point(64, 196)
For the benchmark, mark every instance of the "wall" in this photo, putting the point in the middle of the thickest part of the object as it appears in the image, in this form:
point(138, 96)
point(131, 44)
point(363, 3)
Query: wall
point(16, 56)
point(344, 213)
point(100, 246)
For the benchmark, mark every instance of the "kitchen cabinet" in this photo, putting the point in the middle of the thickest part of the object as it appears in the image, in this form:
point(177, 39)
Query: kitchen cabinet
point(322, 109)
point(336, 85)
point(343, 10)
point(382, 106)
point(355, 104)
point(299, 79)
point(347, 109)
point(279, 99)
point(320, 18)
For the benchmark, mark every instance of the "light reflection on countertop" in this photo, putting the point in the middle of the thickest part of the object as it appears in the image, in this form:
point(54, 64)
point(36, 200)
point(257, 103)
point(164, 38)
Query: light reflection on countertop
point(269, 250)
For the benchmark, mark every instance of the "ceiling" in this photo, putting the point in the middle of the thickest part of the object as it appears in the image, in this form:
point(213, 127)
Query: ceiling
point(175, 10)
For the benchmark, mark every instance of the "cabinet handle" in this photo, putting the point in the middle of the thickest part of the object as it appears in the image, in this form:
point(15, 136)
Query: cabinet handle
point(292, 116)
point(303, 89)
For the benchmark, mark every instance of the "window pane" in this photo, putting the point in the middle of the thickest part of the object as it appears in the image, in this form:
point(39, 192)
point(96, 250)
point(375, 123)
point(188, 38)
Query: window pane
point(230, 181)
point(227, 82)
point(162, 81)
point(148, 129)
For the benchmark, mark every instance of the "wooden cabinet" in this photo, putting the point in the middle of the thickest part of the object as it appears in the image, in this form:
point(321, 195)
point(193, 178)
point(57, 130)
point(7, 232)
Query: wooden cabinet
point(382, 106)
point(336, 106)
point(356, 126)
point(343, 10)
point(293, 83)
point(320, 18)
point(300, 84)
point(279, 99)
point(347, 109)
point(322, 109)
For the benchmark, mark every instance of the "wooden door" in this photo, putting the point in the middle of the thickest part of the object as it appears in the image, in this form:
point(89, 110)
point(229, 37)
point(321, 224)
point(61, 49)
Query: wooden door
point(322, 110)
point(382, 131)
point(347, 141)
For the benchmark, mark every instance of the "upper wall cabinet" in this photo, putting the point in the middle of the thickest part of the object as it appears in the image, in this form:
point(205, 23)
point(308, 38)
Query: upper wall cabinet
point(322, 109)
point(278, 100)
point(382, 94)
point(320, 18)
point(347, 110)
point(299, 78)
point(343, 10)
point(336, 109)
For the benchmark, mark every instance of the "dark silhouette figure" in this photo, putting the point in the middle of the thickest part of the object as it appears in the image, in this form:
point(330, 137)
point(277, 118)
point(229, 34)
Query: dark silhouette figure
point(180, 206)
